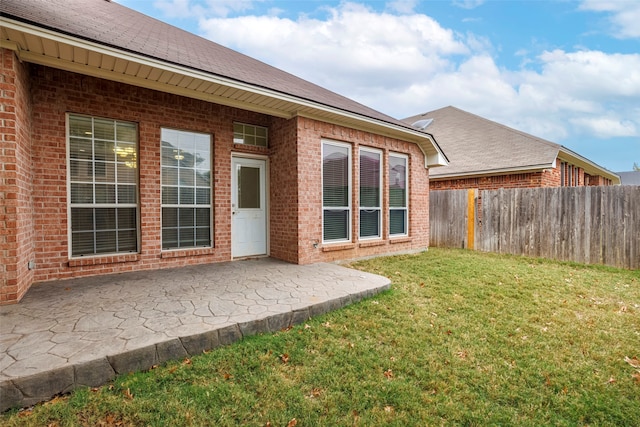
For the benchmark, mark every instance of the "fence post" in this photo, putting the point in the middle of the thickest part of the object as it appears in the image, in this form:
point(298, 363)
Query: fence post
point(471, 218)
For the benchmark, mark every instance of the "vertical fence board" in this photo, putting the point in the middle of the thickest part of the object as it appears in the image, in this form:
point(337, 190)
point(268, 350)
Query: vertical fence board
point(554, 225)
point(490, 222)
point(471, 218)
point(586, 242)
point(632, 230)
point(594, 229)
point(540, 238)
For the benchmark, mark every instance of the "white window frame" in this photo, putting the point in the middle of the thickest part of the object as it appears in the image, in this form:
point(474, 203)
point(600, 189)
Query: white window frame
point(94, 205)
point(370, 208)
point(181, 205)
point(349, 191)
point(406, 195)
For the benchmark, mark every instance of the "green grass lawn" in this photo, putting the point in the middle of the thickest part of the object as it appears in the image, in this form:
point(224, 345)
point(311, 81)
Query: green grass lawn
point(463, 338)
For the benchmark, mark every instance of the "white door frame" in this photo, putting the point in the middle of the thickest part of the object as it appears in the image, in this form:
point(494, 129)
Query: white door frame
point(266, 184)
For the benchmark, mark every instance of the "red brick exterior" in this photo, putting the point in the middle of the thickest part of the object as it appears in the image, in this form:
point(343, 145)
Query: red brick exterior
point(520, 180)
point(546, 178)
point(283, 190)
point(33, 186)
point(310, 135)
point(16, 179)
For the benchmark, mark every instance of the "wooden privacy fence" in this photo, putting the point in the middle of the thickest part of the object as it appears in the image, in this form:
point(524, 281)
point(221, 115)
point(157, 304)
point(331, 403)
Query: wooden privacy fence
point(448, 218)
point(593, 225)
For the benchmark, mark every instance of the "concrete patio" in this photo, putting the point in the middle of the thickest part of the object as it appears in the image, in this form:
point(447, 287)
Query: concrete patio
point(84, 332)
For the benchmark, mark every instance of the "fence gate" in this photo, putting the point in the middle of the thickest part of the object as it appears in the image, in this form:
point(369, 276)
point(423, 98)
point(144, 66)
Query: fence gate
point(452, 215)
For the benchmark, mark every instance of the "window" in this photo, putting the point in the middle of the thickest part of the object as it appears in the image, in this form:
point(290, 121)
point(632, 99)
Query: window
point(398, 195)
point(370, 193)
point(103, 186)
point(186, 189)
point(336, 192)
point(249, 134)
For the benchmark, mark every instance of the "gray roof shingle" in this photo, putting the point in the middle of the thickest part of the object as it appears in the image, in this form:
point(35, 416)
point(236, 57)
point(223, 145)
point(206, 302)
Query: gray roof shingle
point(475, 145)
point(630, 178)
point(111, 24)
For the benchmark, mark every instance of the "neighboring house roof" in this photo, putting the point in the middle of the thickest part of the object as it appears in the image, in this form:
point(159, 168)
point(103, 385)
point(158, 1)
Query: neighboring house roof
point(476, 146)
point(630, 178)
point(108, 40)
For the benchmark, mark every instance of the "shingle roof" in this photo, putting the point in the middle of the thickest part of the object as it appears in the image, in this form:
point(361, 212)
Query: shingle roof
point(478, 146)
point(630, 178)
point(111, 24)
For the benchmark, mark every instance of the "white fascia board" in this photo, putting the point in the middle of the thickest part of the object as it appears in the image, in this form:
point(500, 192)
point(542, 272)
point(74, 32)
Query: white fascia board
point(590, 167)
point(135, 81)
point(139, 59)
point(436, 160)
point(433, 156)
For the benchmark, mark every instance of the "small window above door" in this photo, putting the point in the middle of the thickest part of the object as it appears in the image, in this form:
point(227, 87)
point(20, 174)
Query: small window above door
point(250, 135)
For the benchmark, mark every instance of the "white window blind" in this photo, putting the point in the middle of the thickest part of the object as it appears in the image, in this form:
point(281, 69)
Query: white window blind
point(370, 193)
point(102, 185)
point(186, 189)
point(398, 195)
point(336, 192)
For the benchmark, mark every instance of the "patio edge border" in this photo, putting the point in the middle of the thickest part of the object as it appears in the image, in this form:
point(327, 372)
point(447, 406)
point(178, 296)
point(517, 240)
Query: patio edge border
point(30, 390)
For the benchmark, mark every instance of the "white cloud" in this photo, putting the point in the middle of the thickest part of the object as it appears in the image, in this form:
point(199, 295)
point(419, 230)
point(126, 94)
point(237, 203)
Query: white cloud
point(608, 77)
point(575, 94)
point(606, 127)
point(624, 16)
point(405, 64)
point(354, 51)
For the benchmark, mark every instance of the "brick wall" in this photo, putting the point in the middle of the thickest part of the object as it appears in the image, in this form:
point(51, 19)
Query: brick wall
point(34, 180)
point(283, 197)
point(564, 174)
point(596, 180)
point(16, 204)
point(520, 180)
point(56, 93)
point(310, 135)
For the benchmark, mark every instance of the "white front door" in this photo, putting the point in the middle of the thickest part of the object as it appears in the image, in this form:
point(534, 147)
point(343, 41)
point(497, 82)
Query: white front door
point(248, 207)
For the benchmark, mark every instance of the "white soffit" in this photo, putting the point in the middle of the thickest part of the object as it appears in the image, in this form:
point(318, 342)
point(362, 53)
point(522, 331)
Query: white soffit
point(53, 49)
point(589, 167)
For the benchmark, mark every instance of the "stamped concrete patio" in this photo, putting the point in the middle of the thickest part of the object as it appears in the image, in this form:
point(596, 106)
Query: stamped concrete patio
point(83, 332)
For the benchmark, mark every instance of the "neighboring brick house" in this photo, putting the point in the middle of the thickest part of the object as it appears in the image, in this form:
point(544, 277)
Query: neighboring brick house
point(129, 144)
point(486, 155)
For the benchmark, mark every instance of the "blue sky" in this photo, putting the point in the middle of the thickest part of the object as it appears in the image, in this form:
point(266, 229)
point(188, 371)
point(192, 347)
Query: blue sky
point(566, 71)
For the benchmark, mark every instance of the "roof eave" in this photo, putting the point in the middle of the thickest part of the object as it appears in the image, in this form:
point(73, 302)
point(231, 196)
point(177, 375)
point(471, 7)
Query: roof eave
point(589, 167)
point(152, 73)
